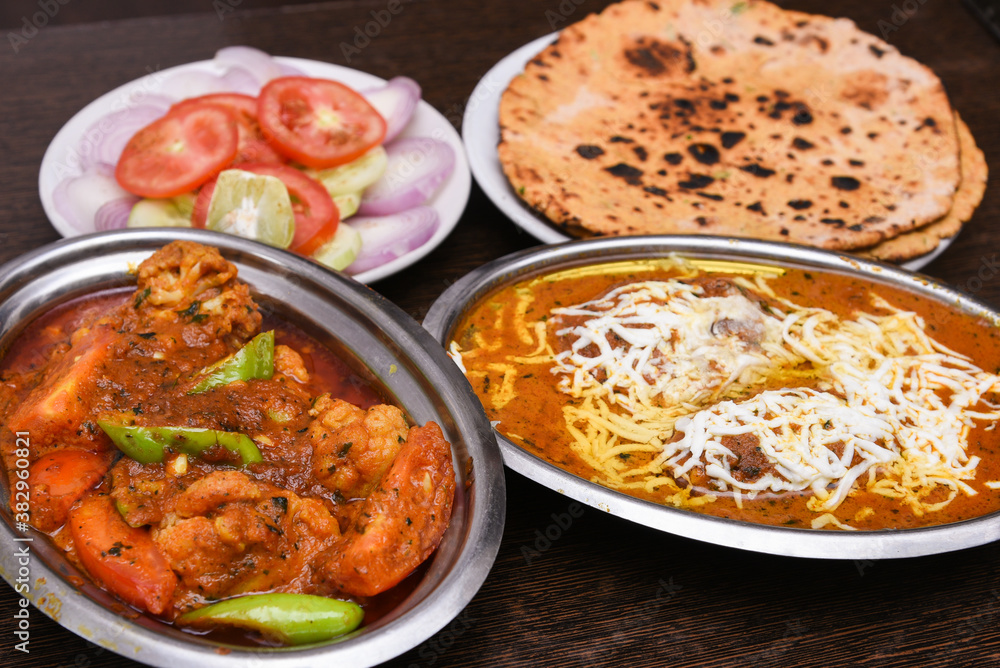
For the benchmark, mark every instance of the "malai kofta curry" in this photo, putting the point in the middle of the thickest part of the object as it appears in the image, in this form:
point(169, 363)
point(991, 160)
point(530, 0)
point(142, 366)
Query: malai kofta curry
point(772, 395)
point(211, 471)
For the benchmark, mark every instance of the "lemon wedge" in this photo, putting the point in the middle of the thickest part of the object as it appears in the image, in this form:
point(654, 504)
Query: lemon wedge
point(253, 206)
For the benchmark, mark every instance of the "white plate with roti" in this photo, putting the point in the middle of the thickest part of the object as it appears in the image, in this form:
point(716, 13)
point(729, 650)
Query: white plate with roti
point(558, 175)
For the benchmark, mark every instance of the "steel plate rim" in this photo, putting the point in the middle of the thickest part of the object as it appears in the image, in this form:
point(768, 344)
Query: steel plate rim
point(767, 539)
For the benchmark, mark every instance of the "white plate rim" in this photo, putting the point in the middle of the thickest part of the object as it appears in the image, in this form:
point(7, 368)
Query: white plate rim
point(449, 201)
point(481, 134)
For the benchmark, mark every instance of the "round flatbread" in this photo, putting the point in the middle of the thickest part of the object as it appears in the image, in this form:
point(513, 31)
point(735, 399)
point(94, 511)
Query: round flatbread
point(970, 193)
point(730, 119)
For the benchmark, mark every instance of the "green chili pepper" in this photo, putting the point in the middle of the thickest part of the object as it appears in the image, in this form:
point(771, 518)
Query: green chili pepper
point(254, 360)
point(147, 444)
point(291, 619)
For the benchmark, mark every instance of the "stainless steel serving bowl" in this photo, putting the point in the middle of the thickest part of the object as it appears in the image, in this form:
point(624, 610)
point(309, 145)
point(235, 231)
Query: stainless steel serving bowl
point(377, 338)
point(449, 308)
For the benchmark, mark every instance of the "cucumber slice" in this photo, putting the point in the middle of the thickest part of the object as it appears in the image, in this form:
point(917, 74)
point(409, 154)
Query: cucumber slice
point(172, 212)
point(341, 250)
point(253, 206)
point(347, 204)
point(355, 176)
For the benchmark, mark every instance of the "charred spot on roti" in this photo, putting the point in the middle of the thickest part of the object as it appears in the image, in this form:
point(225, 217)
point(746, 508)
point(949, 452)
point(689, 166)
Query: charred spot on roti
point(855, 228)
point(717, 198)
point(799, 217)
point(836, 222)
point(660, 192)
point(640, 153)
point(589, 151)
point(856, 163)
point(758, 171)
point(845, 183)
point(827, 162)
point(627, 172)
point(877, 51)
point(756, 207)
point(800, 204)
point(696, 181)
point(846, 130)
point(673, 158)
point(731, 139)
point(763, 41)
point(706, 154)
point(845, 205)
point(802, 115)
point(655, 58)
point(718, 105)
point(618, 139)
point(802, 144)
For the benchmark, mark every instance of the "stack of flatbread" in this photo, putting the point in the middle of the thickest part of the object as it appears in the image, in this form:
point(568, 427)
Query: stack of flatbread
point(739, 119)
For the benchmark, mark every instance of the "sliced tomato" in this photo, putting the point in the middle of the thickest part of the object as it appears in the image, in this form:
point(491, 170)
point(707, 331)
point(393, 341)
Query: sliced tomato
point(317, 122)
point(252, 145)
point(316, 216)
point(58, 480)
point(124, 560)
point(177, 153)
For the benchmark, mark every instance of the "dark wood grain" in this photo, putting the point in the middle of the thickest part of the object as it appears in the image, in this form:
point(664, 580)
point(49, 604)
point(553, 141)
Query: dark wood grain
point(605, 592)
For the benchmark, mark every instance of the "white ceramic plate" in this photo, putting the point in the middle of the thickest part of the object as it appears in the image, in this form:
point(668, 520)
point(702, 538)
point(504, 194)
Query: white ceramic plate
point(481, 134)
point(449, 201)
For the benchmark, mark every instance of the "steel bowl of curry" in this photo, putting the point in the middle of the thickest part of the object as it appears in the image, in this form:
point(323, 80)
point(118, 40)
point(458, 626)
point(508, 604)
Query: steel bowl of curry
point(755, 395)
point(216, 453)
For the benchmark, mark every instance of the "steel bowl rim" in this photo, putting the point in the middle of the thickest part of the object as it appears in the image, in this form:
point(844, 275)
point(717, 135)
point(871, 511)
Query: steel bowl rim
point(487, 504)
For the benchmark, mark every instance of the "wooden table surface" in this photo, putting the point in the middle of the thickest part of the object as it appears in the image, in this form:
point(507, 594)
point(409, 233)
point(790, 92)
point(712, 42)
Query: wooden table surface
point(606, 592)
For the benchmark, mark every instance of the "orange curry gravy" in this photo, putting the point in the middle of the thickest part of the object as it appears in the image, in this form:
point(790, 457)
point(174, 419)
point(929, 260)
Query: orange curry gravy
point(348, 500)
point(516, 382)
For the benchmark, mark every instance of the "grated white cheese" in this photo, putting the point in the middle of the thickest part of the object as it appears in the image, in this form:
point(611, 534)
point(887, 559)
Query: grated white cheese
point(888, 403)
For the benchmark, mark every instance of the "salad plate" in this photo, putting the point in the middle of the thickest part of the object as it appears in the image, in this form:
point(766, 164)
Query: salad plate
point(66, 156)
point(481, 134)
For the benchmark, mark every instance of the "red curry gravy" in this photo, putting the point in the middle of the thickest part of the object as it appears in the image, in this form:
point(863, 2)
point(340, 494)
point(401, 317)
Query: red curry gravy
point(486, 340)
point(343, 497)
